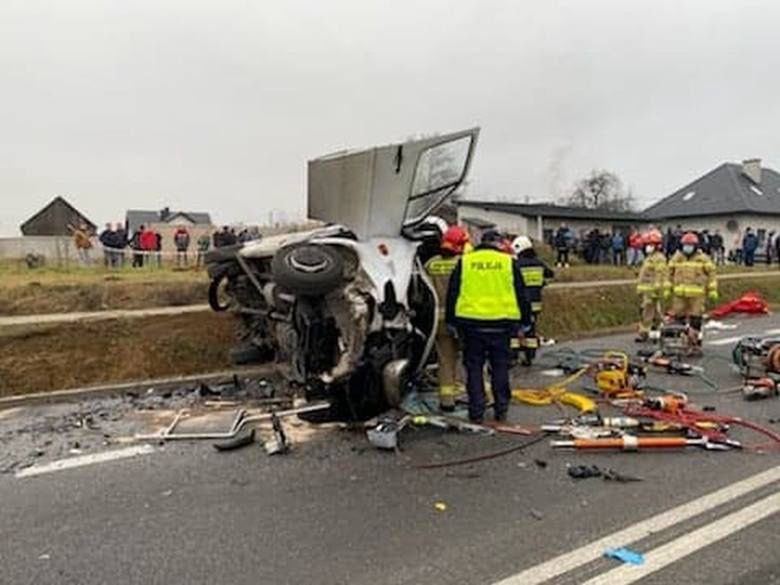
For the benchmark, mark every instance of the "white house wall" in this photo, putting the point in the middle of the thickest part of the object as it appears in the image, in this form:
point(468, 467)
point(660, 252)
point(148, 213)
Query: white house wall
point(509, 222)
point(730, 239)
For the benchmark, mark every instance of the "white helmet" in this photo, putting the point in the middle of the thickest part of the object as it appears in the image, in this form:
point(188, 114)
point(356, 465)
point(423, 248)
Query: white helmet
point(521, 244)
point(440, 223)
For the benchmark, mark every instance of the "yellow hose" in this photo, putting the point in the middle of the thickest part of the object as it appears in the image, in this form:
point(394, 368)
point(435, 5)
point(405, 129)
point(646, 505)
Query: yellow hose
point(556, 393)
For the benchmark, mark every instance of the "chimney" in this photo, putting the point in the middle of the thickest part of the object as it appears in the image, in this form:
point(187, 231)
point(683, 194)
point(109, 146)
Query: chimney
point(165, 213)
point(751, 168)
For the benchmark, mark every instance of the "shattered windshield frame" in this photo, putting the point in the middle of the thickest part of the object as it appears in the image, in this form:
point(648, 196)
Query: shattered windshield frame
point(424, 198)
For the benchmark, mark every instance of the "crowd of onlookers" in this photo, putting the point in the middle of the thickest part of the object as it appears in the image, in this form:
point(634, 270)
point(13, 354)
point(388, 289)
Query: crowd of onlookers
point(144, 247)
point(625, 247)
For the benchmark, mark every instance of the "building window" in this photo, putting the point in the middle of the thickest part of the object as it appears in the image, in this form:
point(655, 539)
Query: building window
point(732, 225)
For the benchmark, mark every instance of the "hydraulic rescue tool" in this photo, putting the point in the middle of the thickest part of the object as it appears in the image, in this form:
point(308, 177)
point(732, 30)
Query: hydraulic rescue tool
point(633, 443)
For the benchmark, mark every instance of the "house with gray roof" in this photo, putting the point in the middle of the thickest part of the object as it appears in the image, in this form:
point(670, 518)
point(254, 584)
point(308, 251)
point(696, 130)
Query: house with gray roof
point(729, 199)
point(137, 217)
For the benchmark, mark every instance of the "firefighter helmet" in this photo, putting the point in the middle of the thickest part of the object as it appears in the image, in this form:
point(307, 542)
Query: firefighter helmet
point(455, 239)
point(521, 244)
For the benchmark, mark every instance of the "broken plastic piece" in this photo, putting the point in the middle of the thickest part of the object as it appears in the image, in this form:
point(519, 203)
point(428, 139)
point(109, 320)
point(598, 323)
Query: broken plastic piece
point(625, 555)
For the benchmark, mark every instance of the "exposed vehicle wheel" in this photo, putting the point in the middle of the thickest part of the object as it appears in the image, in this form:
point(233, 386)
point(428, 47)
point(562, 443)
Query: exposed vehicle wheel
point(247, 353)
point(308, 269)
point(214, 292)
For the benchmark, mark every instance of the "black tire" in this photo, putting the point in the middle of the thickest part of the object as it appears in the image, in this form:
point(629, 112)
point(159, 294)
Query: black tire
point(308, 269)
point(214, 293)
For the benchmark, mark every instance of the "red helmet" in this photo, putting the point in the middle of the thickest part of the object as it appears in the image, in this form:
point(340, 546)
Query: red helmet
point(690, 238)
point(653, 237)
point(455, 239)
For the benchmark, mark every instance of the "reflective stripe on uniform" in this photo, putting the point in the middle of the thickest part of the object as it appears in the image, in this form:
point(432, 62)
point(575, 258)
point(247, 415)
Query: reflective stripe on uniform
point(441, 266)
point(487, 288)
point(536, 307)
point(688, 290)
point(532, 275)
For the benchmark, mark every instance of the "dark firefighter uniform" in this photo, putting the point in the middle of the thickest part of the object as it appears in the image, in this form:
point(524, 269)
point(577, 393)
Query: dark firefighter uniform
point(534, 273)
point(484, 304)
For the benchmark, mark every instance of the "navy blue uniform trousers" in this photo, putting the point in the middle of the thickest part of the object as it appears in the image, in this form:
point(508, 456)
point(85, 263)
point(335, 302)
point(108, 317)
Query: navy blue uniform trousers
point(491, 345)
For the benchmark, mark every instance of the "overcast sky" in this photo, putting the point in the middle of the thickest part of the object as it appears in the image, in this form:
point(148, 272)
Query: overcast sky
point(216, 106)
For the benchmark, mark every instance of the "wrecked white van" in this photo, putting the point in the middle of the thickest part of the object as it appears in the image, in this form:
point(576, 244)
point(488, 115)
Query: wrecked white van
point(348, 308)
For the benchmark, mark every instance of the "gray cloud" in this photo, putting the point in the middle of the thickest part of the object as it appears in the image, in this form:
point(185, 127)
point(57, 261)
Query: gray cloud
point(217, 106)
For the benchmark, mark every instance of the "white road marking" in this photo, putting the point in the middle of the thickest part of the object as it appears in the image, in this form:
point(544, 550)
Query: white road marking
point(82, 460)
point(592, 551)
point(734, 339)
point(681, 547)
point(725, 340)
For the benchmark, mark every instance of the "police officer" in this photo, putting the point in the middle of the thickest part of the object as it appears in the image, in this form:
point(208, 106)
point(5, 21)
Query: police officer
point(484, 305)
point(440, 268)
point(535, 272)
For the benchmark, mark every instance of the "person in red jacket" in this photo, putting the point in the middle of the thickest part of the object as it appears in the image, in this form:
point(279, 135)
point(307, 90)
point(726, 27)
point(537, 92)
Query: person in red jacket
point(148, 241)
point(635, 243)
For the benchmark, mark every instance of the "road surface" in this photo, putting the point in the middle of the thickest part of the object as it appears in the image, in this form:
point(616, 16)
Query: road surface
point(335, 511)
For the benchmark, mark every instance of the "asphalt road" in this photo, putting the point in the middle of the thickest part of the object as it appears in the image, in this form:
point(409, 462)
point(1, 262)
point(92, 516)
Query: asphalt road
point(335, 511)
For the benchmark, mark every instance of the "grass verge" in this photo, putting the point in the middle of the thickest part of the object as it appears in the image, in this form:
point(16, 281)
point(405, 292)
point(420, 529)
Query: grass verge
point(66, 356)
point(34, 359)
point(53, 290)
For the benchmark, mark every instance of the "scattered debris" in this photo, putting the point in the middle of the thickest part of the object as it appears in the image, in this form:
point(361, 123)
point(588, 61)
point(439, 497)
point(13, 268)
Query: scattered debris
point(625, 555)
point(536, 514)
point(440, 506)
point(279, 445)
point(237, 443)
point(541, 463)
point(385, 434)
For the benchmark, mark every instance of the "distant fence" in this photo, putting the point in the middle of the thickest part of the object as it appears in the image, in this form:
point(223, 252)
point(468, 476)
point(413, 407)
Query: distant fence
point(56, 249)
point(61, 251)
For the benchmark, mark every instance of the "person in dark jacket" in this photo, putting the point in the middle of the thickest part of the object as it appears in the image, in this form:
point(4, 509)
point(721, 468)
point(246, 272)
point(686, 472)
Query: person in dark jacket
point(749, 247)
point(562, 243)
point(137, 244)
point(484, 300)
point(718, 248)
point(181, 239)
point(535, 273)
point(121, 242)
point(158, 248)
point(107, 239)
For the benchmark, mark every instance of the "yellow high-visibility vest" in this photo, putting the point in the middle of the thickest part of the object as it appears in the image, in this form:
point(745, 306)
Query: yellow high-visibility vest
point(487, 288)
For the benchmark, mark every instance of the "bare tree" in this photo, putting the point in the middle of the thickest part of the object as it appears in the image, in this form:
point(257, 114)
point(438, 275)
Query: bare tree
point(601, 190)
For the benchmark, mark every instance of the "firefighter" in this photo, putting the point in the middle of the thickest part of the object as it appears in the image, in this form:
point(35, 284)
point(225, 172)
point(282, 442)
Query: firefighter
point(484, 306)
point(440, 268)
point(652, 285)
point(691, 278)
point(534, 272)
